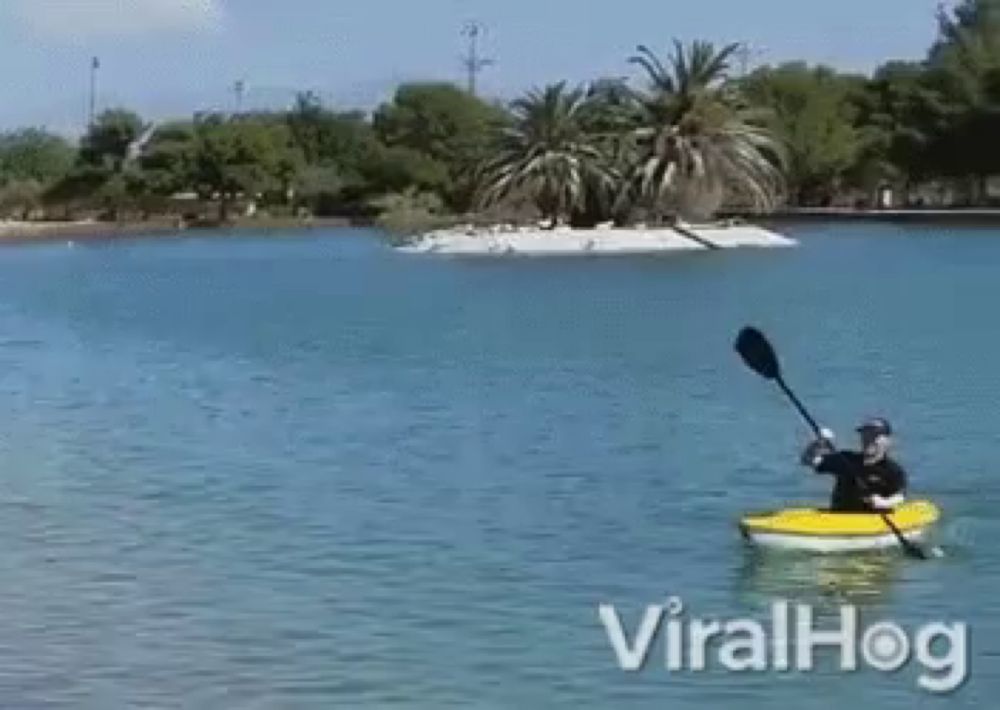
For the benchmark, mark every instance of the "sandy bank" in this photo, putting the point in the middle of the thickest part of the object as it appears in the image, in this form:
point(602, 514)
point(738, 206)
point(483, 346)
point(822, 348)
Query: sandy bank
point(13, 232)
point(500, 241)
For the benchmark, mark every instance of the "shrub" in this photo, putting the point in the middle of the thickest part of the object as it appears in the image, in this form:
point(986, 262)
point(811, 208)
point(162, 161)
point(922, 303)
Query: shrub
point(408, 213)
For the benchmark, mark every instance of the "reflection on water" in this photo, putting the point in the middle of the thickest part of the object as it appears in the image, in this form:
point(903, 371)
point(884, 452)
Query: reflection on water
point(863, 579)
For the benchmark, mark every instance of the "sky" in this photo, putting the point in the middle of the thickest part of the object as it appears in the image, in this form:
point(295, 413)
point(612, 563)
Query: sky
point(173, 57)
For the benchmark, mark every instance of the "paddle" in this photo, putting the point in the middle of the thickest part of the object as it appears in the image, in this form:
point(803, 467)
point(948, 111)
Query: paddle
point(759, 356)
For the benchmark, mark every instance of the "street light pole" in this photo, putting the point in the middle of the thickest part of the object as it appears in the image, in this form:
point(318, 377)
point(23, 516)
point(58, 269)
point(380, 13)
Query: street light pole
point(747, 53)
point(95, 65)
point(239, 89)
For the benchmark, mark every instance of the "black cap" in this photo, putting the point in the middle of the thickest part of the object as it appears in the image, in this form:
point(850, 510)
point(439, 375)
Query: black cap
point(878, 425)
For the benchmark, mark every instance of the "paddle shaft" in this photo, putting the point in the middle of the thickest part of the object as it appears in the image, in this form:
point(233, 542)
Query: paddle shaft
point(799, 406)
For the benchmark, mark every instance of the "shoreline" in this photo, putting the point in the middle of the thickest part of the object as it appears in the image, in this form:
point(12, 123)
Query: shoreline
point(964, 215)
point(21, 233)
point(42, 232)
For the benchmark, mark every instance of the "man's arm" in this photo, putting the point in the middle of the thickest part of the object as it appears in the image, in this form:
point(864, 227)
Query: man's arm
point(839, 463)
point(814, 454)
point(891, 489)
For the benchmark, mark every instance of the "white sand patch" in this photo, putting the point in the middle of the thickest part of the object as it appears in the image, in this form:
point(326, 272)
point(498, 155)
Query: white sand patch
point(500, 241)
point(15, 228)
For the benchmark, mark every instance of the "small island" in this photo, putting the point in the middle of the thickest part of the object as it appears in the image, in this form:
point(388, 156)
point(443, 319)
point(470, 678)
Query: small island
point(613, 168)
point(510, 240)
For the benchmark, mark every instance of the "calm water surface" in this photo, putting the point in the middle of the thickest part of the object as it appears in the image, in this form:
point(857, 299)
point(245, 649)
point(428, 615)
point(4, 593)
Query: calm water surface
point(311, 472)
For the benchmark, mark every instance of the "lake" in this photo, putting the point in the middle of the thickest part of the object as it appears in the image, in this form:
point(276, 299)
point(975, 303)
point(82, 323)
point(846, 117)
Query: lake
point(306, 471)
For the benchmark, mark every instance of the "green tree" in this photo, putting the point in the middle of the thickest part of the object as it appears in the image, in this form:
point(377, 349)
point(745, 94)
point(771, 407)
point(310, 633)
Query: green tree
point(35, 155)
point(19, 198)
point(242, 158)
point(107, 151)
point(77, 188)
point(548, 155)
point(108, 143)
point(409, 211)
point(349, 142)
point(308, 122)
point(964, 68)
point(968, 45)
point(320, 189)
point(698, 143)
point(345, 161)
point(813, 114)
point(900, 118)
point(329, 137)
point(446, 124)
point(396, 168)
point(166, 160)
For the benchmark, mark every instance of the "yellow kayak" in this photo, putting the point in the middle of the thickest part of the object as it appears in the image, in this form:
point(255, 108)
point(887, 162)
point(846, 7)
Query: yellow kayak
point(822, 531)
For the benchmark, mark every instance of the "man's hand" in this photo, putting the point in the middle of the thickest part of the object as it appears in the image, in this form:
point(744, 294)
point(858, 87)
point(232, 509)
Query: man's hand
point(888, 504)
point(817, 449)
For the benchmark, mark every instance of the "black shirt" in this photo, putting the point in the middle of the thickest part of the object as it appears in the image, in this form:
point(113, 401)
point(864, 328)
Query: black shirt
point(857, 480)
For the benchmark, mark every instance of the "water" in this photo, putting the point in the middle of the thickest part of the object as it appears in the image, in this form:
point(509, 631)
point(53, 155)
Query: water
point(310, 472)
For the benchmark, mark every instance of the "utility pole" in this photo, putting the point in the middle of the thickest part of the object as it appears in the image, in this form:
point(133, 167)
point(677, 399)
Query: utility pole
point(239, 90)
point(473, 63)
point(95, 65)
point(746, 54)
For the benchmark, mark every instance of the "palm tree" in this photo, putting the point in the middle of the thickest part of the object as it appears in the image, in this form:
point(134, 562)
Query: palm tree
point(695, 140)
point(549, 154)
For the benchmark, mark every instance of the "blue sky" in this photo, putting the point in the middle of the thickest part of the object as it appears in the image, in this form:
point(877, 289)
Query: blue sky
point(171, 57)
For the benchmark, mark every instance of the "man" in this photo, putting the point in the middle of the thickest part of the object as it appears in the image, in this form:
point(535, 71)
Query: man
point(867, 481)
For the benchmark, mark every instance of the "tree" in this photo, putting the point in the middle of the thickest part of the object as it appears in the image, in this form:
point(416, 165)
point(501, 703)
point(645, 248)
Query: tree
point(18, 198)
point(166, 160)
point(33, 154)
point(900, 119)
point(396, 168)
point(320, 189)
point(121, 191)
point(307, 121)
point(326, 137)
point(77, 188)
point(697, 142)
point(108, 143)
point(241, 158)
point(968, 45)
point(964, 67)
point(445, 123)
point(813, 115)
point(107, 152)
point(409, 211)
point(345, 163)
point(548, 155)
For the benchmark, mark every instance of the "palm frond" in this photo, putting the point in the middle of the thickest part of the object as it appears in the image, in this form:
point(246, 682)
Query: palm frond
point(695, 136)
point(659, 76)
point(549, 154)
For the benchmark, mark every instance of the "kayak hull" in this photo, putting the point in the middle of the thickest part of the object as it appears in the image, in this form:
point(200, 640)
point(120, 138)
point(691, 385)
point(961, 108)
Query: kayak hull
point(820, 531)
point(829, 544)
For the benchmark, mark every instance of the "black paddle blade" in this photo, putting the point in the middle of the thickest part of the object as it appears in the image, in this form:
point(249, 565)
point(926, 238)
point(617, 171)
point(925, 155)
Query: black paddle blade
point(758, 354)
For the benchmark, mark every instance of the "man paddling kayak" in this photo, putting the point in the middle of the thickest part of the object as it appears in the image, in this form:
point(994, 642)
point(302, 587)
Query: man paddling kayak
point(867, 480)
